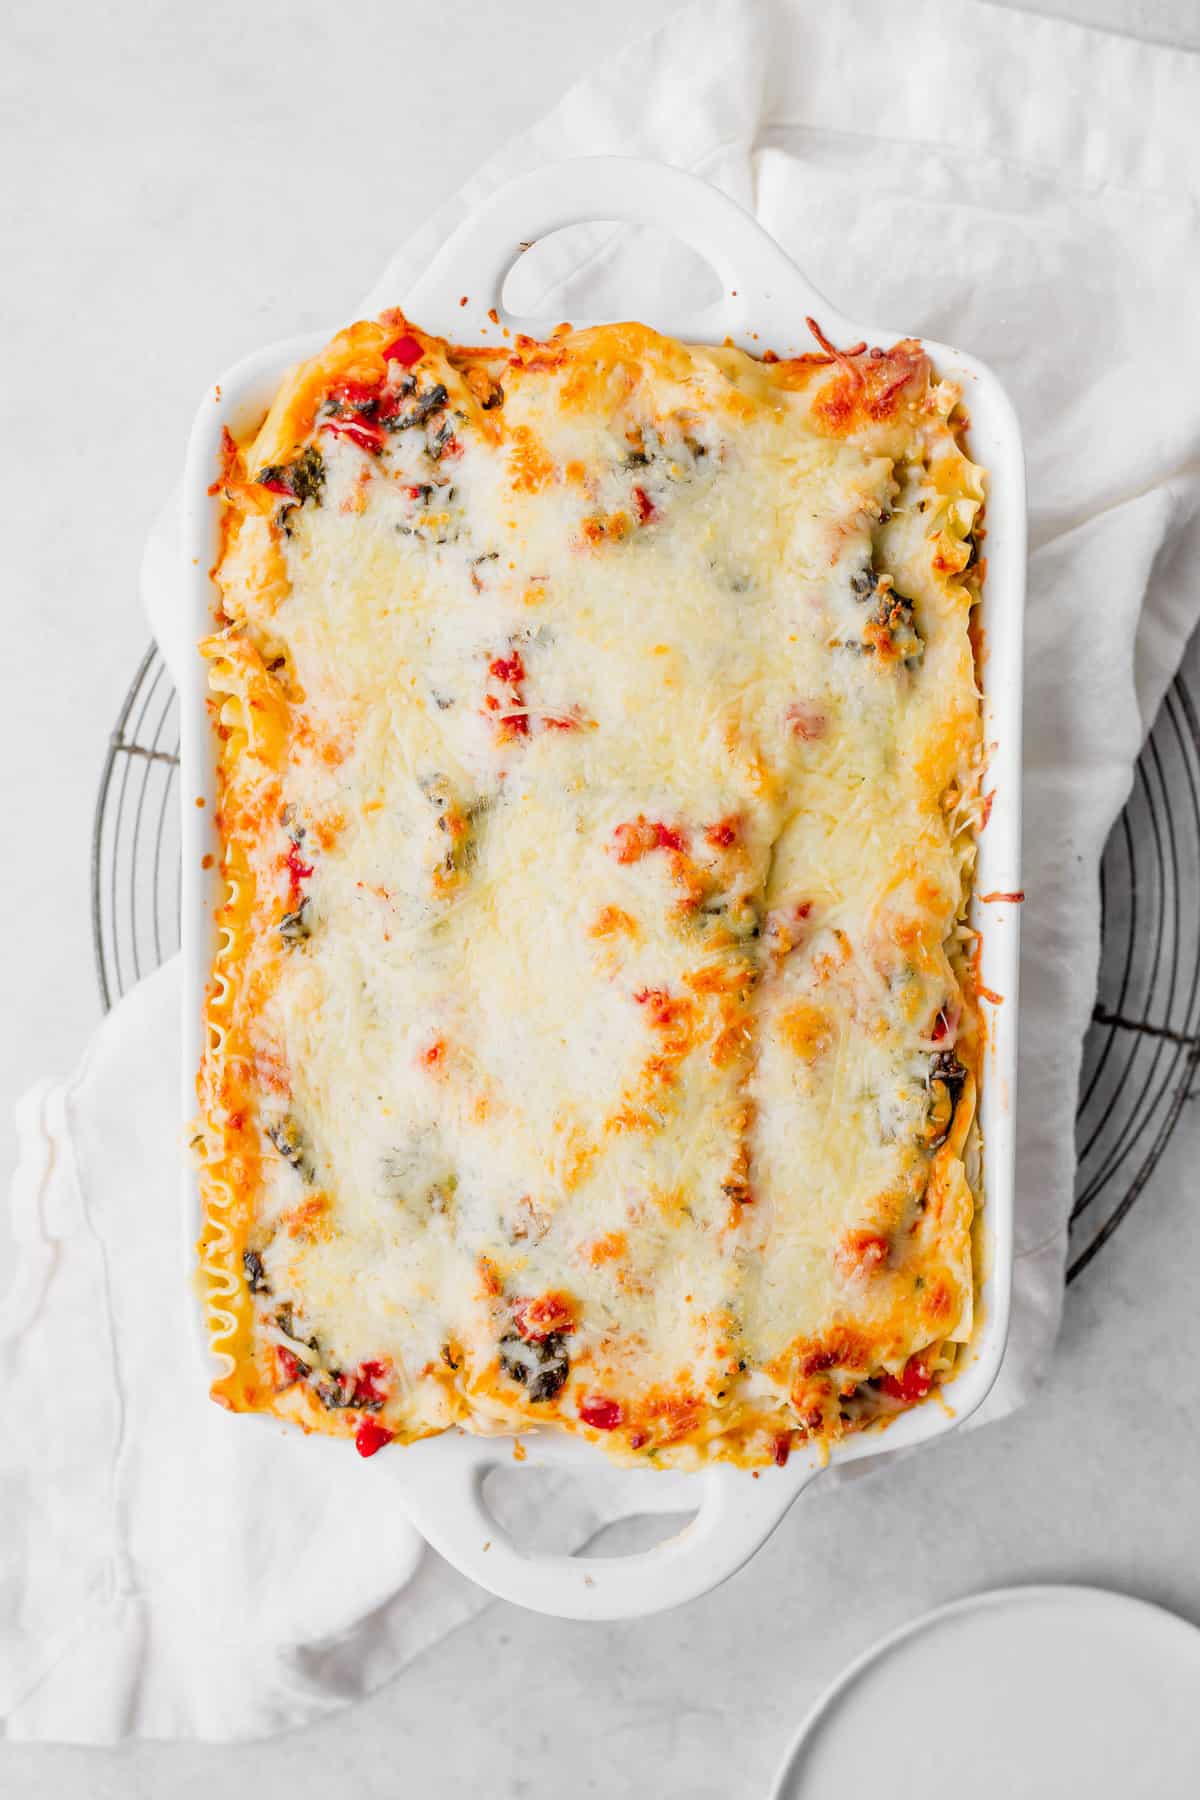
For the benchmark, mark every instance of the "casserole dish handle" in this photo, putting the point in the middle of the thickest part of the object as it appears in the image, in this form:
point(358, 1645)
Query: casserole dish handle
point(461, 293)
point(442, 1490)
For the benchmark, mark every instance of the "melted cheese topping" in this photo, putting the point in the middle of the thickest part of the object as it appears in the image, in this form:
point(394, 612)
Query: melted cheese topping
point(591, 1042)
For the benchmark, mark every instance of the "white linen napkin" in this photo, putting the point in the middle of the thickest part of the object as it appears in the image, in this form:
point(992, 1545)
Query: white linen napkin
point(1023, 188)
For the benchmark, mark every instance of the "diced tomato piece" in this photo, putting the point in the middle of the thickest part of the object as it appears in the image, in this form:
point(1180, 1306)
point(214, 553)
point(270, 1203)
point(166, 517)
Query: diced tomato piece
point(663, 1010)
point(405, 349)
point(722, 834)
point(536, 1319)
point(511, 671)
point(637, 838)
point(508, 668)
point(646, 509)
point(354, 393)
point(371, 1437)
point(913, 1384)
point(277, 485)
point(941, 1026)
point(290, 1366)
point(369, 1378)
point(917, 1380)
point(601, 1414)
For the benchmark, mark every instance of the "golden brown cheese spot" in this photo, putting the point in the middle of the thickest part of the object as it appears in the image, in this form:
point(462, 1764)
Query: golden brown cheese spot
point(613, 921)
point(602, 528)
point(311, 1218)
point(532, 468)
point(808, 1031)
point(860, 1252)
point(871, 388)
point(612, 1247)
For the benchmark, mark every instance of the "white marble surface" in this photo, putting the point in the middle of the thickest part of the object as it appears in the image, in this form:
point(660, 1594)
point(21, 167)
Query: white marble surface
point(133, 137)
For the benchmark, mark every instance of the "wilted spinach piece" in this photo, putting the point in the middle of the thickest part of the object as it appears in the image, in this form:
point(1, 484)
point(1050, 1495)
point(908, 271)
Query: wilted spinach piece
point(947, 1077)
point(893, 627)
point(304, 477)
point(294, 927)
point(431, 401)
point(541, 1366)
point(256, 1279)
point(291, 1143)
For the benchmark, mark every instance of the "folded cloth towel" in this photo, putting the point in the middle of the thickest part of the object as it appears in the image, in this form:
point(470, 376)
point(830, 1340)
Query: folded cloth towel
point(1020, 187)
point(177, 1571)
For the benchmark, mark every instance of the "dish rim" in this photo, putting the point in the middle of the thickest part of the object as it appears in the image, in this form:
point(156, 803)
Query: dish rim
point(440, 1480)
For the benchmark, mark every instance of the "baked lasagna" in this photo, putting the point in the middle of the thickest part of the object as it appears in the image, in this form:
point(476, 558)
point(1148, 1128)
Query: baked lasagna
point(591, 1041)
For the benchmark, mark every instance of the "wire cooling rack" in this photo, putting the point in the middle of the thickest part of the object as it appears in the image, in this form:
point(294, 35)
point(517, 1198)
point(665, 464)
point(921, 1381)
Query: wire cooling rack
point(1142, 1054)
point(135, 835)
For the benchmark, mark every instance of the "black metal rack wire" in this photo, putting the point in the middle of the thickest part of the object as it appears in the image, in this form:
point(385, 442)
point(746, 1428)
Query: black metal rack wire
point(1141, 1057)
point(1142, 1053)
point(135, 835)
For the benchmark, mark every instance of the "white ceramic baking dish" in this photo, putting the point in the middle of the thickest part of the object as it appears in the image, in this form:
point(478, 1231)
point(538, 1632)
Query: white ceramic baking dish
point(764, 301)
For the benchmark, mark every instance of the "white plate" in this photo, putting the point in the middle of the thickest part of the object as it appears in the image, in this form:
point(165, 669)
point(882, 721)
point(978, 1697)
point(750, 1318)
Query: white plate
point(1034, 1693)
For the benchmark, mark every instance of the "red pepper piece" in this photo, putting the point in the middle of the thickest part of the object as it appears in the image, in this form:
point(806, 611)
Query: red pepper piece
point(646, 509)
point(367, 1379)
point(638, 838)
point(508, 668)
point(538, 1318)
point(667, 838)
point(405, 349)
point(354, 393)
point(601, 1414)
point(366, 436)
point(297, 868)
point(371, 1437)
point(913, 1384)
